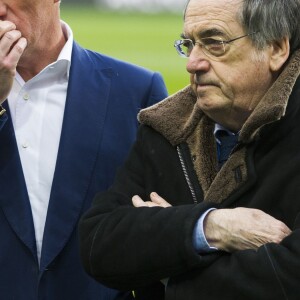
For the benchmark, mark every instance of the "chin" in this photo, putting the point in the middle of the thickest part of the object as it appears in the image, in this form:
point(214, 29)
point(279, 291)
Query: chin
point(206, 104)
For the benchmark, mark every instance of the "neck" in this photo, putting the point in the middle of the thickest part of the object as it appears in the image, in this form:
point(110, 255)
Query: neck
point(35, 59)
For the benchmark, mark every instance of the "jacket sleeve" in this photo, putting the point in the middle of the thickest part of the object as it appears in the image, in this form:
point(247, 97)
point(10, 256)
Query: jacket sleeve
point(271, 272)
point(126, 247)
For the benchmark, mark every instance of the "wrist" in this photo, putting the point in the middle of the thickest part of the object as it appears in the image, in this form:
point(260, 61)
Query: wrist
point(212, 230)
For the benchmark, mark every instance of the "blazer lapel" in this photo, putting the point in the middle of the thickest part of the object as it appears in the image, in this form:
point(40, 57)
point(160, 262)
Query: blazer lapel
point(84, 116)
point(14, 198)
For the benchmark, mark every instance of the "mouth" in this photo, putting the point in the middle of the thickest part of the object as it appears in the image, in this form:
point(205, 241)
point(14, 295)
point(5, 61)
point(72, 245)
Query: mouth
point(204, 83)
point(202, 89)
point(204, 86)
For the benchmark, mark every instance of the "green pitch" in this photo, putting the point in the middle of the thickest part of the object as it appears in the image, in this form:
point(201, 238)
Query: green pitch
point(143, 39)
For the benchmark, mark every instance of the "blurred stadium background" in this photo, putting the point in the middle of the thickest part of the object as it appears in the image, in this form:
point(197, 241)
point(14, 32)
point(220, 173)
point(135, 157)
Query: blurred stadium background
point(137, 31)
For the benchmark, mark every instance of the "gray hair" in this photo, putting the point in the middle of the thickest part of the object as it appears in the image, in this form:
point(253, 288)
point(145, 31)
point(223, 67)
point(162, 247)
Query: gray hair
point(272, 20)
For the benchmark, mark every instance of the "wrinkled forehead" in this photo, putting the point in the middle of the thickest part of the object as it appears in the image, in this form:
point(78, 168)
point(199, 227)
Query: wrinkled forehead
point(222, 15)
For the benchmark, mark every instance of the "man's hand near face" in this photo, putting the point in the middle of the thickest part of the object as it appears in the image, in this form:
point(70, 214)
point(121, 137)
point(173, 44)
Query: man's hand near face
point(12, 46)
point(232, 229)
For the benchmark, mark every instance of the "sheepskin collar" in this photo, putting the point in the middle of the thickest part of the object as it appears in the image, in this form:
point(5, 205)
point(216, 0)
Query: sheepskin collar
point(177, 116)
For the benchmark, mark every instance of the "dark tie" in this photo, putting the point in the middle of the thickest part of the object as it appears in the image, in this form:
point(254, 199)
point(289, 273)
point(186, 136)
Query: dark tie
point(227, 142)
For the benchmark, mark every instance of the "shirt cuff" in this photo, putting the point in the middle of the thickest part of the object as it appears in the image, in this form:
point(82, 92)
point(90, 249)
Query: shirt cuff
point(199, 240)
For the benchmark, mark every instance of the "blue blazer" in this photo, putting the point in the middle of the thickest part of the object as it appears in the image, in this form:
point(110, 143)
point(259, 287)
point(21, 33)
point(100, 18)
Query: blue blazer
point(104, 96)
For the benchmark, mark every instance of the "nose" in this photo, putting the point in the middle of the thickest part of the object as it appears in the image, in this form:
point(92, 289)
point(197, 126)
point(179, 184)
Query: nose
point(197, 61)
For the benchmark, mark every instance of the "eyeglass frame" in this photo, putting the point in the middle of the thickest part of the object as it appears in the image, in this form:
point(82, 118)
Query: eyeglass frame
point(178, 44)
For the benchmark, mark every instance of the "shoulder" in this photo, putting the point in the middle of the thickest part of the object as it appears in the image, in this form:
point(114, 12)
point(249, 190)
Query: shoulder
point(128, 79)
point(149, 135)
point(99, 59)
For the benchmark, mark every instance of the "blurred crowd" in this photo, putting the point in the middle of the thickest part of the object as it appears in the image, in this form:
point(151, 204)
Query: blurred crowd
point(145, 5)
point(139, 5)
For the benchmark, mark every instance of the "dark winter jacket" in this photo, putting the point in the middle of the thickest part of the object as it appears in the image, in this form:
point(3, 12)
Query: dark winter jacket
point(175, 155)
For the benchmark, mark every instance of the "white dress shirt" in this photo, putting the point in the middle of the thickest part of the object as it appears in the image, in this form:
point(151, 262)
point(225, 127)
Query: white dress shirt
point(37, 109)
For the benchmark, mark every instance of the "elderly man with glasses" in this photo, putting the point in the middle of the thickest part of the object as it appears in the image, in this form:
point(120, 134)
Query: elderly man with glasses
point(207, 205)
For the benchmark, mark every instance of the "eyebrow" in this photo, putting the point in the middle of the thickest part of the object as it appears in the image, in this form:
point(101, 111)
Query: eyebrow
point(207, 33)
point(183, 36)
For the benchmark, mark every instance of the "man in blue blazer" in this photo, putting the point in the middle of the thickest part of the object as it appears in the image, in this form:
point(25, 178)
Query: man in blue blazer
point(67, 121)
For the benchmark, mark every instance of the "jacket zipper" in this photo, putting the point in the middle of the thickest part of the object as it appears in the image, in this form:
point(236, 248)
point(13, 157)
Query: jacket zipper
point(184, 169)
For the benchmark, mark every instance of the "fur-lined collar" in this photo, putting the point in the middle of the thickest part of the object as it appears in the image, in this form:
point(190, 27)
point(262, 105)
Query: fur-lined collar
point(177, 116)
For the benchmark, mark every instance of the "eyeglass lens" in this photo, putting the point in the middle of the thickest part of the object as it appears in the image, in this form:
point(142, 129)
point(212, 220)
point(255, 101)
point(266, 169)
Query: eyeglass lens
point(210, 46)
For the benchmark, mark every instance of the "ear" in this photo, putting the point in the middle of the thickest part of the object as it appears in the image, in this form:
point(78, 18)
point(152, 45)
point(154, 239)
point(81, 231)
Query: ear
point(280, 51)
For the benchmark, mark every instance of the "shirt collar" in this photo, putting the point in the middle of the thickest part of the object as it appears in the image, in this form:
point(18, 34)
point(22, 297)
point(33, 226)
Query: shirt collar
point(219, 127)
point(66, 52)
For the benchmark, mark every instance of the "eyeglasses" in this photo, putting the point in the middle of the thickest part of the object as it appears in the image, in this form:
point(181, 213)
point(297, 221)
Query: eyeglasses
point(211, 47)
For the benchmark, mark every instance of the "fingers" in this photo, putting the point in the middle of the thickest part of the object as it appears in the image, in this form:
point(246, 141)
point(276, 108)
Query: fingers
point(8, 37)
point(138, 202)
point(7, 40)
point(16, 51)
point(6, 26)
point(12, 46)
point(267, 228)
point(156, 200)
point(159, 200)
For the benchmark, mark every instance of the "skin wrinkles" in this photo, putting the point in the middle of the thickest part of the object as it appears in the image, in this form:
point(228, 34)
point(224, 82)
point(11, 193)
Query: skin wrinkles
point(29, 18)
point(228, 89)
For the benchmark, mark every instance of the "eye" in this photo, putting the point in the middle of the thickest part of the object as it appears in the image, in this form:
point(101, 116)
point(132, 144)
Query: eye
point(187, 43)
point(210, 42)
point(214, 45)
